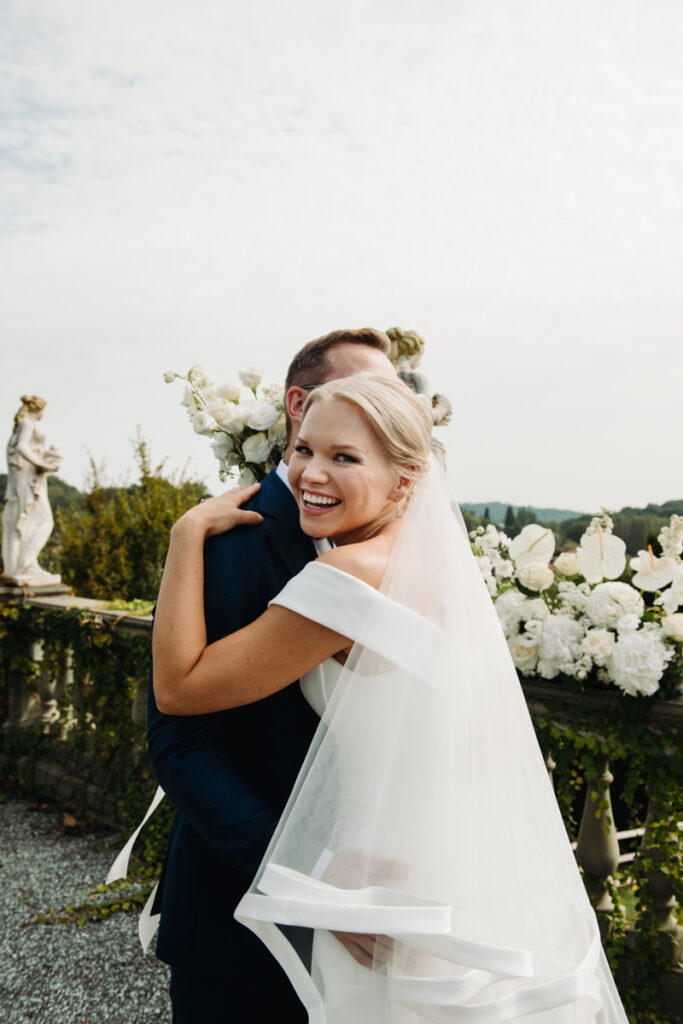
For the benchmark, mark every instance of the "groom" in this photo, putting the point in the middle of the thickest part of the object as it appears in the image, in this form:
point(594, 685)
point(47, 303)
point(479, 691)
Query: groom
point(229, 774)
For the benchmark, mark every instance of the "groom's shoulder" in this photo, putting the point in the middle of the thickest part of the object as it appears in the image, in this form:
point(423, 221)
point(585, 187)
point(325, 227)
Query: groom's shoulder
point(274, 502)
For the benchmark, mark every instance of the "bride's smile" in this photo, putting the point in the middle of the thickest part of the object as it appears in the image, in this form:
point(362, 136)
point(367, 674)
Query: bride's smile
point(342, 481)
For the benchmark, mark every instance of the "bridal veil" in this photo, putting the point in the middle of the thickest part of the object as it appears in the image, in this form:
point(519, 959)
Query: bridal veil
point(424, 811)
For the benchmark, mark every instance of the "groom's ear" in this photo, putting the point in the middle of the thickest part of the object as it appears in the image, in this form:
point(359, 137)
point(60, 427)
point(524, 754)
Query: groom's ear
point(294, 402)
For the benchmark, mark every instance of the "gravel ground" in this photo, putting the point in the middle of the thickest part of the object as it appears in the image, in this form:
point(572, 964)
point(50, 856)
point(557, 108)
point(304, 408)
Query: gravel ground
point(65, 973)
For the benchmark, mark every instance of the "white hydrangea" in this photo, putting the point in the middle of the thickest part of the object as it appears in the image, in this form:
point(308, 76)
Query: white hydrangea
point(535, 575)
point(598, 645)
point(573, 596)
point(509, 610)
point(560, 644)
point(610, 601)
point(637, 662)
point(627, 624)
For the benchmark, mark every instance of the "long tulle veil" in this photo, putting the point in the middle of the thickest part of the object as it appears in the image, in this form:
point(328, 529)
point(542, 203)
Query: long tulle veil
point(424, 812)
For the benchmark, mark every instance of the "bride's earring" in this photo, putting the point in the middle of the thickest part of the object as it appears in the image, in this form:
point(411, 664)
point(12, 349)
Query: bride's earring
point(399, 510)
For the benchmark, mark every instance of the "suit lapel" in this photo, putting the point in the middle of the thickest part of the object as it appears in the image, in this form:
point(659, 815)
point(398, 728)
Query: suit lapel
point(279, 508)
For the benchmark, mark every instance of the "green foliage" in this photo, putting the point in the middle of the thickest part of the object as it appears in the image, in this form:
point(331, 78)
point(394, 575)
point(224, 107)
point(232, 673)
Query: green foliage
point(114, 546)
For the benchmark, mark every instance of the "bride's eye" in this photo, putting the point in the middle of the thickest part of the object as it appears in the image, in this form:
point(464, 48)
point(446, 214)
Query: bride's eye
point(302, 449)
point(345, 457)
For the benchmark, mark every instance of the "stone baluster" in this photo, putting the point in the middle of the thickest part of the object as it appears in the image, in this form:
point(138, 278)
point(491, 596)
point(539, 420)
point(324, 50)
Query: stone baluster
point(597, 849)
point(665, 905)
point(23, 701)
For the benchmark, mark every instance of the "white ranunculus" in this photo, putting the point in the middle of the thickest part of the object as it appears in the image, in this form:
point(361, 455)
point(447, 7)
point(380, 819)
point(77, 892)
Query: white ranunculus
point(637, 662)
point(222, 411)
point(509, 611)
point(534, 544)
point(247, 477)
point(602, 556)
point(169, 377)
point(610, 601)
point(524, 651)
point(598, 644)
point(256, 448)
point(203, 423)
point(263, 416)
point(567, 563)
point(251, 378)
point(229, 392)
point(535, 575)
point(561, 642)
point(652, 573)
point(672, 626)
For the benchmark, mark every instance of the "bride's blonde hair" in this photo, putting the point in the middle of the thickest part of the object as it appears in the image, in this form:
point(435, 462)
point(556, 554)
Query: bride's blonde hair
point(401, 420)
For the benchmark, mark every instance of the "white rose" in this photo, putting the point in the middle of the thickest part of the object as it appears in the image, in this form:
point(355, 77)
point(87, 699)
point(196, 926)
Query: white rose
point(598, 644)
point(221, 411)
point(229, 392)
point(509, 611)
point(534, 544)
point(263, 416)
point(256, 448)
point(610, 601)
point(203, 423)
point(535, 575)
point(567, 563)
point(169, 377)
point(637, 663)
point(236, 422)
point(279, 429)
point(524, 651)
point(251, 378)
point(222, 445)
point(247, 477)
point(672, 626)
point(535, 608)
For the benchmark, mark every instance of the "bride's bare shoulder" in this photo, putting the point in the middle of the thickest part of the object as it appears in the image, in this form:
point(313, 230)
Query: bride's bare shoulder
point(367, 561)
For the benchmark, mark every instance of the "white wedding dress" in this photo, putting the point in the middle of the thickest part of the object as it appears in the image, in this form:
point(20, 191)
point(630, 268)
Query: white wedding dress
point(424, 813)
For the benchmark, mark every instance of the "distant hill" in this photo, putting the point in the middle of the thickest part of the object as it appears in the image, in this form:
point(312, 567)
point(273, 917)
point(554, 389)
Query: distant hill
point(497, 510)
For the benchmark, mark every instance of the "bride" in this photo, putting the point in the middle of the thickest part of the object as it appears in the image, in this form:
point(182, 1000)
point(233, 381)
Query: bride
point(422, 844)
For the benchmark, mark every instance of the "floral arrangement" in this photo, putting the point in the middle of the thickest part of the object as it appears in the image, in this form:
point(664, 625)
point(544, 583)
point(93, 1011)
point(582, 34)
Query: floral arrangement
point(586, 616)
point(245, 421)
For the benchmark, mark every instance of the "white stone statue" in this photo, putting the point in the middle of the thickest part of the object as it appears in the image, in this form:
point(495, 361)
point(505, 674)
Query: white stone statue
point(26, 516)
point(406, 353)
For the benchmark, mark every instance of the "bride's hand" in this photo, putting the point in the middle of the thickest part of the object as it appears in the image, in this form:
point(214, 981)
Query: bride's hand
point(217, 515)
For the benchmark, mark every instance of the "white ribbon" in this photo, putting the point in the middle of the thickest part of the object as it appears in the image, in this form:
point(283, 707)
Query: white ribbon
point(119, 868)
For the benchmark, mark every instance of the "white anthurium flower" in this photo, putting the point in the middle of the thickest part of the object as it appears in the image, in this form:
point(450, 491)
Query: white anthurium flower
point(203, 423)
point(602, 556)
point(652, 573)
point(534, 544)
point(263, 416)
point(256, 448)
point(251, 378)
point(672, 598)
point(229, 392)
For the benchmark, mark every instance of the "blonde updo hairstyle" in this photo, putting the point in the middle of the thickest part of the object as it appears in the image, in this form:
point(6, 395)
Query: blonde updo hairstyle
point(401, 421)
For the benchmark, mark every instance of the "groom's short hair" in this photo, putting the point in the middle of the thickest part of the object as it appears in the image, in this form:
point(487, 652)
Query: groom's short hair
point(309, 364)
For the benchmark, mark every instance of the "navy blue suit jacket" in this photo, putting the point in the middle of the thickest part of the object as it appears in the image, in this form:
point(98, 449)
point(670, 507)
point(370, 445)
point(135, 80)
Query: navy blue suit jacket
point(229, 774)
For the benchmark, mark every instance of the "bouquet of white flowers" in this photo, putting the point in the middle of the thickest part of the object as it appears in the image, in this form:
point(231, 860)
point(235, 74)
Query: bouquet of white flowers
point(583, 615)
point(245, 421)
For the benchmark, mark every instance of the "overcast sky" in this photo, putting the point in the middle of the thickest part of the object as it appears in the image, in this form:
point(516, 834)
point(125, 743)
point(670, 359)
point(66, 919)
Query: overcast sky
point(218, 182)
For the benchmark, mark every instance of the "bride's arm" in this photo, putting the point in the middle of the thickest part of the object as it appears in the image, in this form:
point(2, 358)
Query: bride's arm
point(192, 678)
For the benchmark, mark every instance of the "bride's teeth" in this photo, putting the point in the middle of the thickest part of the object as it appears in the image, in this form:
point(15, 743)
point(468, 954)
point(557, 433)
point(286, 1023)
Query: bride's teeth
point(318, 499)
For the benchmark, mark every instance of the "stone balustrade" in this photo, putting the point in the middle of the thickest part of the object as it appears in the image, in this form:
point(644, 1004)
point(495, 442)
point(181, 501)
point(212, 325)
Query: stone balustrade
point(606, 855)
